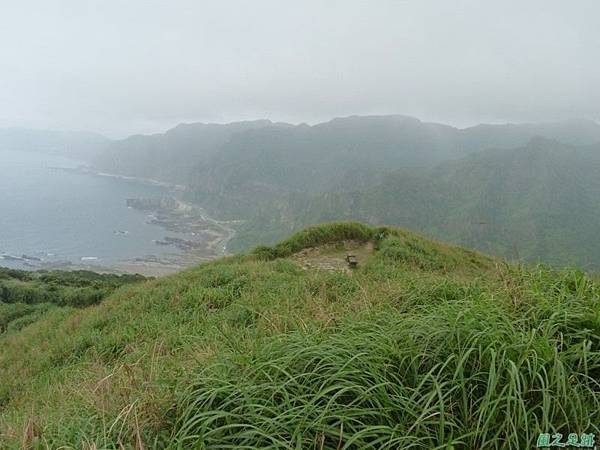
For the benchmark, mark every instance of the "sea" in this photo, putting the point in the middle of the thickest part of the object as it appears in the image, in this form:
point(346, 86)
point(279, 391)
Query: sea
point(52, 216)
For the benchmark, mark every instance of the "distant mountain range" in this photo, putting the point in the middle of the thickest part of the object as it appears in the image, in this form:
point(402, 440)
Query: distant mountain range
point(170, 156)
point(528, 191)
point(215, 158)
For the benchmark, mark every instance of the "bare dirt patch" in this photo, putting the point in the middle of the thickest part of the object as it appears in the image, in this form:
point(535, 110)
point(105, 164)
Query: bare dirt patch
point(332, 257)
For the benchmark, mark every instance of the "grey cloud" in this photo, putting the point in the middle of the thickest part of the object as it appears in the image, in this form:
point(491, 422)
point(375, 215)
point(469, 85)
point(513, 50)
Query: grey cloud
point(141, 66)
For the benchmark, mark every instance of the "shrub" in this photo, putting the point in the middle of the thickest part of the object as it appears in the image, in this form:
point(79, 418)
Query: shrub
point(314, 236)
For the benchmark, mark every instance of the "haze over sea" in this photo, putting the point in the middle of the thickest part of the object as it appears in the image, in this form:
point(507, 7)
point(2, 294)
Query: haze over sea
point(56, 215)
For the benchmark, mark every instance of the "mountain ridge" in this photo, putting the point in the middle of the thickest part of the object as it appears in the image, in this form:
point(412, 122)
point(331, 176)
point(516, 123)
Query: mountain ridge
point(460, 141)
point(280, 177)
point(536, 202)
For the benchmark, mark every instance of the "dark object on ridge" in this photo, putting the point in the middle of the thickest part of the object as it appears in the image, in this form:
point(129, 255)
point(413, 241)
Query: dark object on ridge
point(352, 261)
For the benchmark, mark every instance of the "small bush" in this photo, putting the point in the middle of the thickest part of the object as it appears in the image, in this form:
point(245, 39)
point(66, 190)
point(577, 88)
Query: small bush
point(410, 251)
point(314, 236)
point(28, 290)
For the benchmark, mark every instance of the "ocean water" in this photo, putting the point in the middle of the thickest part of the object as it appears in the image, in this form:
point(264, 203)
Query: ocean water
point(55, 215)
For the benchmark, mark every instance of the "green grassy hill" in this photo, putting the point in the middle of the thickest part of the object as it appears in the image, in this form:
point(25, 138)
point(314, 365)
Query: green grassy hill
point(424, 345)
point(27, 296)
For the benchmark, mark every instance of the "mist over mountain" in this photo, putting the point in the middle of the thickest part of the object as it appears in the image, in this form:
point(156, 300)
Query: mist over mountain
point(354, 152)
point(170, 156)
point(518, 190)
point(539, 202)
point(257, 251)
point(280, 152)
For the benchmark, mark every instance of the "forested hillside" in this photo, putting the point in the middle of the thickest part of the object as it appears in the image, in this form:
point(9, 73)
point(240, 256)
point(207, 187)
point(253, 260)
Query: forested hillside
point(519, 191)
point(170, 156)
point(217, 158)
point(353, 152)
point(540, 202)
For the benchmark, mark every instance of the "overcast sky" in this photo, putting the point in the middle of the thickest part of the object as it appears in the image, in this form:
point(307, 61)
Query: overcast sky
point(128, 66)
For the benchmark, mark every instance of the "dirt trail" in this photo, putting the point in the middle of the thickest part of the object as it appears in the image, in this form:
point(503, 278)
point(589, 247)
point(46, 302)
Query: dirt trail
point(333, 257)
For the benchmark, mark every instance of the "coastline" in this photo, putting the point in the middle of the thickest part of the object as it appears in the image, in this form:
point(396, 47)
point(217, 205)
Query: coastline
point(88, 170)
point(207, 241)
point(205, 238)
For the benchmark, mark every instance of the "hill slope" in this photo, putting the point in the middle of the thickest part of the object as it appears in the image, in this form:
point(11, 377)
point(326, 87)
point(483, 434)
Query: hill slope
point(347, 154)
point(425, 344)
point(537, 202)
point(517, 191)
point(169, 156)
point(27, 296)
point(231, 165)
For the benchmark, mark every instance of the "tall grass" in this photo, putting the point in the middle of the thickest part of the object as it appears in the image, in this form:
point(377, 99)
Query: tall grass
point(27, 296)
point(315, 236)
point(468, 373)
point(425, 345)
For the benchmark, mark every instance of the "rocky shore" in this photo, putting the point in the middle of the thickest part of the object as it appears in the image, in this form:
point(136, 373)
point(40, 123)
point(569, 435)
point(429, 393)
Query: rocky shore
point(195, 238)
point(205, 238)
